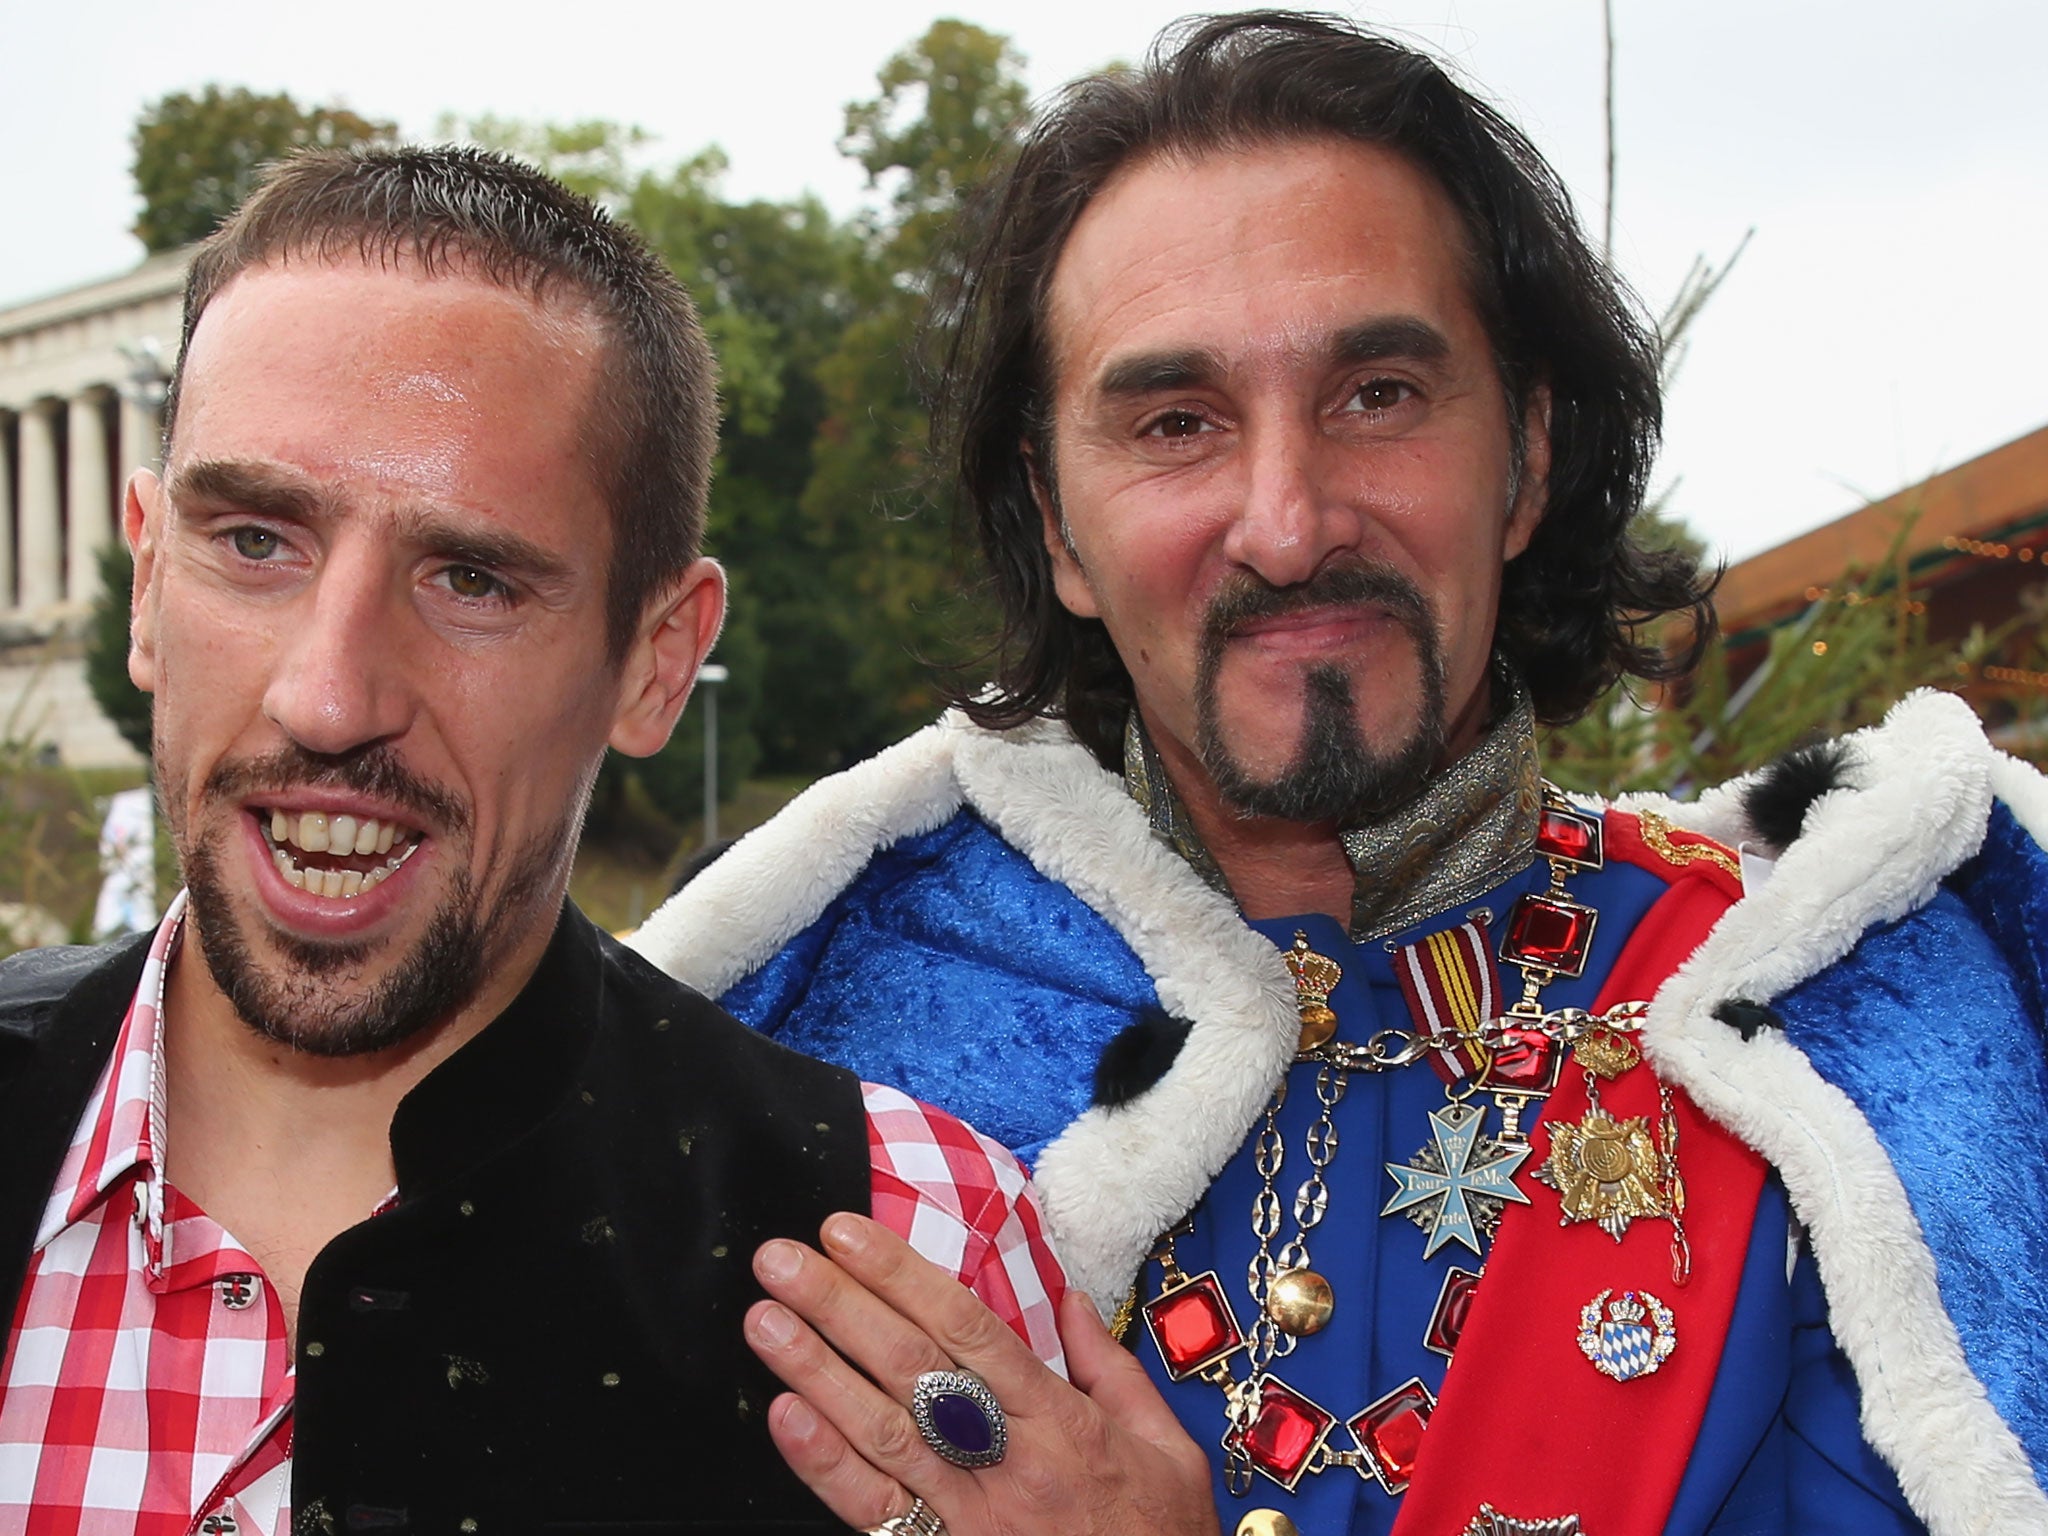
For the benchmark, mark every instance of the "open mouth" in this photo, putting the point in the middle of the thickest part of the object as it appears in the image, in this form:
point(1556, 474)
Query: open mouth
point(335, 855)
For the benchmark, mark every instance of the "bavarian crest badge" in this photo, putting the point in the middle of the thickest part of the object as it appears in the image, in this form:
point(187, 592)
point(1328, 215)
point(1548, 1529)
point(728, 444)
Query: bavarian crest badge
point(1628, 1337)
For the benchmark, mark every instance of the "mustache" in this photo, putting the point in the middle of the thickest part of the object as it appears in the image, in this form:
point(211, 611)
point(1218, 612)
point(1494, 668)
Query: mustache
point(1349, 583)
point(373, 771)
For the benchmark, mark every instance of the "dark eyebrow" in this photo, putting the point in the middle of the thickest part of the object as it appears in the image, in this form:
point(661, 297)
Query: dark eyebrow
point(250, 487)
point(463, 543)
point(1148, 373)
point(258, 489)
point(1401, 336)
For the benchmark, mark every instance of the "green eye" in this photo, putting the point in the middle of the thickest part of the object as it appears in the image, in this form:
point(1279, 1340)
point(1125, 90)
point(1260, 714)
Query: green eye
point(255, 543)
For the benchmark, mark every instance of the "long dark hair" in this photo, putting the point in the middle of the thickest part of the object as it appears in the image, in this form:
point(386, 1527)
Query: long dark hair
point(1572, 605)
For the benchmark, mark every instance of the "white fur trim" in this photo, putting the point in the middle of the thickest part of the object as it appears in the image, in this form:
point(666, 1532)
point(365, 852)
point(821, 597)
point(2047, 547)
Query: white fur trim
point(1115, 1178)
point(1871, 851)
point(774, 882)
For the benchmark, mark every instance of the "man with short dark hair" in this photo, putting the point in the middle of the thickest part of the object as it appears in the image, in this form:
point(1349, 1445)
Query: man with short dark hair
point(1463, 1157)
point(378, 1189)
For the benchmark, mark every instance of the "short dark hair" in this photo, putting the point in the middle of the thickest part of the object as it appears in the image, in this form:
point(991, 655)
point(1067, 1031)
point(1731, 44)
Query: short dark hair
point(1572, 605)
point(652, 427)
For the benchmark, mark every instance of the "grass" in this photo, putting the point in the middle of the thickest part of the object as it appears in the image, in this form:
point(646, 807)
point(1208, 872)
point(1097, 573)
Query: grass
point(49, 837)
point(623, 875)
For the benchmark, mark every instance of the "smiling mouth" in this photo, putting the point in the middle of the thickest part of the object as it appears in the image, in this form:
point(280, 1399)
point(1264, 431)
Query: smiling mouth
point(335, 855)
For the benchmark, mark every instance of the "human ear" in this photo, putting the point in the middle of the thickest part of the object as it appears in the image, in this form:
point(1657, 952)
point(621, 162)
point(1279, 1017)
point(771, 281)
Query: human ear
point(1532, 483)
point(676, 634)
point(141, 516)
point(1069, 580)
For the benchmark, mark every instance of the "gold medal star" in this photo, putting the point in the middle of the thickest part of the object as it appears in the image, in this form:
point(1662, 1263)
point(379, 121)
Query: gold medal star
point(1604, 1170)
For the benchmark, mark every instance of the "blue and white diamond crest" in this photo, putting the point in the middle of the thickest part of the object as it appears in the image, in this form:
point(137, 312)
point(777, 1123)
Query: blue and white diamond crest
point(1633, 1337)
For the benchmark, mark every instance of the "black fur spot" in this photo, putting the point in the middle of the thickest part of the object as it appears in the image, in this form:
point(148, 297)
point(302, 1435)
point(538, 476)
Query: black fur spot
point(1138, 1057)
point(1747, 1018)
point(1778, 801)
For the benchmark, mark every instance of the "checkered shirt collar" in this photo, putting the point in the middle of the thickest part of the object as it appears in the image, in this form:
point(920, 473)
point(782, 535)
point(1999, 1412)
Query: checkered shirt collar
point(122, 1128)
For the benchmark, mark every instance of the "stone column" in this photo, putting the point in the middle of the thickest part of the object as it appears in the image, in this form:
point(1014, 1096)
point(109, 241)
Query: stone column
point(91, 495)
point(141, 441)
point(41, 517)
point(6, 514)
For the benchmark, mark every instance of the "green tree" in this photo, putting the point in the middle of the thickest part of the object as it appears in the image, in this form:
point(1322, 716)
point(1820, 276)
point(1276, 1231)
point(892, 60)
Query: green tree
point(946, 114)
point(196, 157)
point(106, 650)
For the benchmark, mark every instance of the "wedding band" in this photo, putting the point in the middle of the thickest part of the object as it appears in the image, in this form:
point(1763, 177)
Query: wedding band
point(918, 1520)
point(960, 1418)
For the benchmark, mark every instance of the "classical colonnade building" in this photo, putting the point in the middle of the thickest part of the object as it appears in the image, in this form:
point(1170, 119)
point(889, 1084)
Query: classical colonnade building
point(82, 377)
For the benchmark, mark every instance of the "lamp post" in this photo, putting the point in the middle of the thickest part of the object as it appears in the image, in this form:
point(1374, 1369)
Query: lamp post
point(711, 674)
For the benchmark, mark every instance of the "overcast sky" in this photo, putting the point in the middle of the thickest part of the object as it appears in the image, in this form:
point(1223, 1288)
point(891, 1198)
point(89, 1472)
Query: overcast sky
point(1888, 320)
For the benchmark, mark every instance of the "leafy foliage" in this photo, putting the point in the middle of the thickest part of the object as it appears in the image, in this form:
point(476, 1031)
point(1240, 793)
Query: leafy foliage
point(106, 653)
point(1839, 665)
point(196, 157)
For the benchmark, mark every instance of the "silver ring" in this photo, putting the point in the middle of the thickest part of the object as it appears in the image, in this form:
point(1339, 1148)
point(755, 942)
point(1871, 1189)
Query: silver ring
point(960, 1418)
point(918, 1520)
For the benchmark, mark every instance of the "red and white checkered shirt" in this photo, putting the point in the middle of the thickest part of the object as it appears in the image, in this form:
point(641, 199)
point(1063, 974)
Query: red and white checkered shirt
point(147, 1384)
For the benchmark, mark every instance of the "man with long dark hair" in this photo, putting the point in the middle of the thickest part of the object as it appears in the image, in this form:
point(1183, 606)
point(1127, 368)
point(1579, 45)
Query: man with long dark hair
point(1460, 1157)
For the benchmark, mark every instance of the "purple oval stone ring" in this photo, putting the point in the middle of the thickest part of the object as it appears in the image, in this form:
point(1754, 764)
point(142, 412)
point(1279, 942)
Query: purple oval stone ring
point(959, 1418)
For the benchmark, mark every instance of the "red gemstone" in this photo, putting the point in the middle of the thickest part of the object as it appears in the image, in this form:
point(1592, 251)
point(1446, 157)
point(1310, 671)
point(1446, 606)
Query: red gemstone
point(1390, 1432)
point(1525, 1061)
point(1550, 934)
point(1569, 835)
point(1285, 1432)
point(1193, 1325)
point(1447, 1322)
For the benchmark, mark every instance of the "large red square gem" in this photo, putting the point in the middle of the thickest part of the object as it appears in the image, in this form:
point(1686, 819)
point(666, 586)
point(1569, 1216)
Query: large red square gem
point(1550, 934)
point(1572, 836)
point(1390, 1432)
point(1453, 1304)
point(1525, 1061)
point(1193, 1325)
point(1285, 1432)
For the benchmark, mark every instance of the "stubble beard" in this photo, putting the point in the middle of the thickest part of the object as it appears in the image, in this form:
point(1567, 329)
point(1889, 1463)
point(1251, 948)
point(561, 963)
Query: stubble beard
point(309, 996)
point(1335, 774)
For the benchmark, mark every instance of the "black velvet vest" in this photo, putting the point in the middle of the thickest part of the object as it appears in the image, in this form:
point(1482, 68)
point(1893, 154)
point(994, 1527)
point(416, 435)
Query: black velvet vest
point(545, 1333)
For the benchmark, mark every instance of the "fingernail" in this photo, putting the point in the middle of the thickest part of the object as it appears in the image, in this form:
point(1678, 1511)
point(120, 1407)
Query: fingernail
point(778, 1260)
point(798, 1419)
point(846, 1233)
point(775, 1325)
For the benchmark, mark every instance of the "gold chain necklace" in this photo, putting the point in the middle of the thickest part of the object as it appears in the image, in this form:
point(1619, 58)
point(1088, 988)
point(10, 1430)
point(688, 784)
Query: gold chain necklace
point(1605, 1170)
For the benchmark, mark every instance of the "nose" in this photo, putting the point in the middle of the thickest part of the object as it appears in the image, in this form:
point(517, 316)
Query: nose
point(1292, 515)
point(340, 680)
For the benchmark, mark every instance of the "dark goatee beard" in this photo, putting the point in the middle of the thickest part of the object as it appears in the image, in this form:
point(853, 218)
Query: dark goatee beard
point(309, 999)
point(1334, 774)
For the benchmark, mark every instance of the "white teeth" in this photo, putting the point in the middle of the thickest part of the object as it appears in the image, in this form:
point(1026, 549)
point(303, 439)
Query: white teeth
point(312, 832)
point(351, 883)
point(296, 877)
point(330, 883)
point(280, 827)
point(366, 837)
point(341, 834)
point(386, 835)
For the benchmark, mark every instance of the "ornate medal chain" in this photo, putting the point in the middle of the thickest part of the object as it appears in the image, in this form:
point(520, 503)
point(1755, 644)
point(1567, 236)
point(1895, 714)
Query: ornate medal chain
point(1605, 1171)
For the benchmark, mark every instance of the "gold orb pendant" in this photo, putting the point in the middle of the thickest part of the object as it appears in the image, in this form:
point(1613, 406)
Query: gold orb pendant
point(1300, 1302)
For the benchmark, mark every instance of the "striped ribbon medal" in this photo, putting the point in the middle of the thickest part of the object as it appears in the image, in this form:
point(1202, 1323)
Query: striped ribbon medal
point(1452, 988)
point(1456, 1187)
